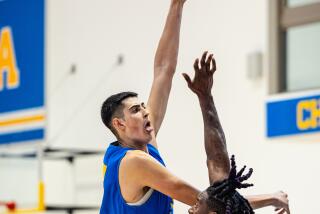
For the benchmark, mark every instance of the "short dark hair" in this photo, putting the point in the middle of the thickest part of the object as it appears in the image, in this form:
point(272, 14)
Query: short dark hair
point(112, 106)
point(223, 197)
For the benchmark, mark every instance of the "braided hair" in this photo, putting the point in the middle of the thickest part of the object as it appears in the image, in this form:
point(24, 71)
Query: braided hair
point(223, 197)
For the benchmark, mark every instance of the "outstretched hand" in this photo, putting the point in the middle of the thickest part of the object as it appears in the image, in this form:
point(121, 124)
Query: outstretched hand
point(202, 82)
point(281, 203)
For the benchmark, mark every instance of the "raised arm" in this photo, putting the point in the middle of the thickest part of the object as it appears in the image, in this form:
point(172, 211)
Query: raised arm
point(215, 143)
point(214, 139)
point(165, 65)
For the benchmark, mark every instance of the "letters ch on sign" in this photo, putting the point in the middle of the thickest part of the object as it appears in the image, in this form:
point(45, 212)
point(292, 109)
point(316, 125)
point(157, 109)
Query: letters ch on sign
point(8, 61)
point(308, 114)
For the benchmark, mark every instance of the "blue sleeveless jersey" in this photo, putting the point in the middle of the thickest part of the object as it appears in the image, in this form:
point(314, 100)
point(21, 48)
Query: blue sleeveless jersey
point(113, 202)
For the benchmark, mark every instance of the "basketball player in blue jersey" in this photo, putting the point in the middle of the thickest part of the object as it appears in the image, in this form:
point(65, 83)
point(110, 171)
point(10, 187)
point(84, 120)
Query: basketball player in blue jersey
point(222, 197)
point(136, 180)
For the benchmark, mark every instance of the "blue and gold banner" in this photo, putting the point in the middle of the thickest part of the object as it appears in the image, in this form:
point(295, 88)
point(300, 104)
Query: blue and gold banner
point(22, 70)
point(293, 116)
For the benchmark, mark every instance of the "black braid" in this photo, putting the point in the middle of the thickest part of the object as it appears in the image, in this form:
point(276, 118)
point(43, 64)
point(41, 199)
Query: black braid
point(223, 197)
point(229, 207)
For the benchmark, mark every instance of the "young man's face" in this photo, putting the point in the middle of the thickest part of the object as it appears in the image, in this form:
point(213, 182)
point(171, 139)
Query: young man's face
point(201, 206)
point(137, 126)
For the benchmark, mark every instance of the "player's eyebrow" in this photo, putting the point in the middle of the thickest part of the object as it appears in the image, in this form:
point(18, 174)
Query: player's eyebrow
point(134, 106)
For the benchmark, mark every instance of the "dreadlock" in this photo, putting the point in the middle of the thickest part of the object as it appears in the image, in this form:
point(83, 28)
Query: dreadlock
point(223, 197)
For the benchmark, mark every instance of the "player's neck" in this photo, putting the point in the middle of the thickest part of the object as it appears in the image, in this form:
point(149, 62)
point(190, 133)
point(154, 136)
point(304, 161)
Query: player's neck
point(133, 145)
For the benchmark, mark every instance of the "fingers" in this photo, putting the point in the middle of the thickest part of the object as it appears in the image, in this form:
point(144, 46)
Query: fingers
point(187, 78)
point(196, 65)
point(203, 60)
point(283, 203)
point(287, 208)
point(214, 66)
point(281, 211)
point(283, 193)
point(208, 63)
point(286, 201)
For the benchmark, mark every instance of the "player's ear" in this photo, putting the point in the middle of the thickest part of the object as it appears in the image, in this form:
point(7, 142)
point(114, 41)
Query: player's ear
point(118, 123)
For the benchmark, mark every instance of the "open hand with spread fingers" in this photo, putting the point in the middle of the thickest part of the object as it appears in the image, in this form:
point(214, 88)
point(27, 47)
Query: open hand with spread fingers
point(202, 82)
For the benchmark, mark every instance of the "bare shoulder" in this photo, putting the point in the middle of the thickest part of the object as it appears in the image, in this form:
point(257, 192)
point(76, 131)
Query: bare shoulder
point(137, 159)
point(137, 165)
point(136, 155)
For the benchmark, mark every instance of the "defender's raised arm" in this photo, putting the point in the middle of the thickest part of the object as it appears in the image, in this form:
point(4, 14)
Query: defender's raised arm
point(214, 139)
point(215, 143)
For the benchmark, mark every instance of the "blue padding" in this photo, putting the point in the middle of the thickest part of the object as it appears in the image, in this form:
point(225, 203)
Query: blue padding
point(22, 136)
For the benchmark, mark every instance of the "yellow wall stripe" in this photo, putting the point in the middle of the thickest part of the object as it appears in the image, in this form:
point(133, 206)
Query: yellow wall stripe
point(22, 120)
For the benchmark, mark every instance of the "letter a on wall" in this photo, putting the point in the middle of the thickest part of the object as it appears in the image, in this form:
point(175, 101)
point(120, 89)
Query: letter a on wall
point(22, 71)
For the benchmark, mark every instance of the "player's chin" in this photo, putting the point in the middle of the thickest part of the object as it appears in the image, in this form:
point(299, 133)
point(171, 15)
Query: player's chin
point(148, 136)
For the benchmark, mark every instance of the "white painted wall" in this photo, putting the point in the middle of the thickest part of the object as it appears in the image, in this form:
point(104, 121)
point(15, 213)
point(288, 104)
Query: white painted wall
point(91, 34)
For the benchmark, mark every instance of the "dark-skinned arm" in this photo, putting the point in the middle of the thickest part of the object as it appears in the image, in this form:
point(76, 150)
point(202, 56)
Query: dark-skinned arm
point(279, 200)
point(214, 139)
point(215, 143)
